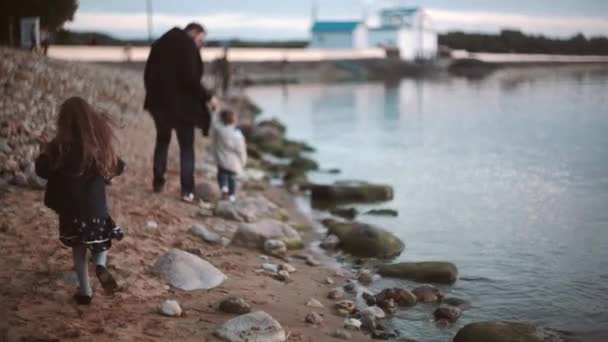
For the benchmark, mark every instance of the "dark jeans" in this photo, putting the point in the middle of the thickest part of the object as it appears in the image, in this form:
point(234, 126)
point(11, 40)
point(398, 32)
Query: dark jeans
point(226, 179)
point(185, 139)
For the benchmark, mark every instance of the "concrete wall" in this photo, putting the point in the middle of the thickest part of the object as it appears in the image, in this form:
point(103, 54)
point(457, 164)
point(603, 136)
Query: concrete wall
point(332, 40)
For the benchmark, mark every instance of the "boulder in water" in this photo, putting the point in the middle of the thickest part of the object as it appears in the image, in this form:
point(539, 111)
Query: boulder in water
point(350, 192)
point(429, 272)
point(364, 240)
point(187, 271)
point(501, 331)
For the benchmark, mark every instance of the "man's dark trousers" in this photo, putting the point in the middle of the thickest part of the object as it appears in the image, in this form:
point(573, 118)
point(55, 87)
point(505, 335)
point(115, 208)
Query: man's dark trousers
point(185, 139)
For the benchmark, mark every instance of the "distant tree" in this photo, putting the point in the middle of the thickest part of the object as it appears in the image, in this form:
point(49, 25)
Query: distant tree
point(518, 42)
point(53, 14)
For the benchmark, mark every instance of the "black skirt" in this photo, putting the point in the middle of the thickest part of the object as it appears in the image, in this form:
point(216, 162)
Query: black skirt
point(95, 233)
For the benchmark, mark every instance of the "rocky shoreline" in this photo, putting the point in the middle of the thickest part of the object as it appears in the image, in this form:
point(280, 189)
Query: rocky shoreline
point(205, 272)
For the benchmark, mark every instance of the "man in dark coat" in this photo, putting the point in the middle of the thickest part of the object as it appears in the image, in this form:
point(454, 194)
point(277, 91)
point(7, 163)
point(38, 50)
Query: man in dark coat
point(177, 100)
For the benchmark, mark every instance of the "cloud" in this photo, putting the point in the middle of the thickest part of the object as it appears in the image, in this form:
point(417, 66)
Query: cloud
point(224, 25)
point(218, 24)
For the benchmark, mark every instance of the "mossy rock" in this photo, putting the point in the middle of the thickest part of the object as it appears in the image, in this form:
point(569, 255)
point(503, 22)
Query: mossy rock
point(295, 178)
point(346, 213)
point(303, 164)
point(425, 272)
point(364, 240)
point(350, 192)
point(500, 331)
point(294, 244)
point(303, 228)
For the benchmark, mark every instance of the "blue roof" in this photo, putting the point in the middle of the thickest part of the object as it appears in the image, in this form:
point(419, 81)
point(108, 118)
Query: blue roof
point(335, 26)
point(400, 11)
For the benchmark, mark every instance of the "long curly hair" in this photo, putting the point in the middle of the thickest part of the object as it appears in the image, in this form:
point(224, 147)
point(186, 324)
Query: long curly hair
point(81, 128)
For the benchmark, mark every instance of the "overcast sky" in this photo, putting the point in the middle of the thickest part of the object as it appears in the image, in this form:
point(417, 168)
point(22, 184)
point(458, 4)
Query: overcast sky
point(291, 19)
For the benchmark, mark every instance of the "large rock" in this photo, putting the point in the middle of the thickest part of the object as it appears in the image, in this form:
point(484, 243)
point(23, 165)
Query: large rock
point(255, 326)
point(428, 272)
point(207, 192)
point(447, 313)
point(365, 240)
point(187, 271)
point(247, 209)
point(401, 297)
point(499, 331)
point(254, 235)
point(427, 294)
point(350, 192)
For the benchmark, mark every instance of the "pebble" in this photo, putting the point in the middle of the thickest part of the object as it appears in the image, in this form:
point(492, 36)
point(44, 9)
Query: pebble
point(448, 313)
point(365, 277)
point(330, 242)
point(350, 287)
point(270, 267)
point(284, 276)
point(375, 311)
point(352, 324)
point(346, 305)
point(335, 294)
point(329, 281)
point(313, 303)
point(314, 318)
point(311, 261)
point(151, 224)
point(235, 305)
point(170, 308)
point(275, 247)
point(368, 322)
point(342, 334)
point(287, 267)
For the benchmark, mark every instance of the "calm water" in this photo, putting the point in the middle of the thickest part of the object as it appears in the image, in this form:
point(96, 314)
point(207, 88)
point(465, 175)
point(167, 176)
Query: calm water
point(507, 177)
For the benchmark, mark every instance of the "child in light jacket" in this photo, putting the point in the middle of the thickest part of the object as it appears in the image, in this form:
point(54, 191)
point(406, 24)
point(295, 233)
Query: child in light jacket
point(229, 151)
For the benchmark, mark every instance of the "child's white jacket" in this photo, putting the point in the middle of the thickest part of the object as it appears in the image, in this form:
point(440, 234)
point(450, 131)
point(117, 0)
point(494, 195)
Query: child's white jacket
point(228, 146)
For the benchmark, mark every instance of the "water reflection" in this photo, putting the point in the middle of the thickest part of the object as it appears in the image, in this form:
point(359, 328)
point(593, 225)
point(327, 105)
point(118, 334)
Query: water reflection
point(507, 176)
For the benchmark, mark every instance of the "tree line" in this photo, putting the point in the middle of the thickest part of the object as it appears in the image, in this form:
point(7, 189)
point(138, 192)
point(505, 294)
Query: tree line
point(511, 41)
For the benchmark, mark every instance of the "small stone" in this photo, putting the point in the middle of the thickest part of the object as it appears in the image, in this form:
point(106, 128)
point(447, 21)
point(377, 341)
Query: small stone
point(20, 179)
point(427, 294)
point(170, 308)
point(352, 324)
point(4, 147)
point(287, 267)
point(448, 313)
point(375, 311)
point(206, 235)
point(369, 298)
point(329, 281)
point(335, 294)
point(313, 303)
point(283, 276)
point(264, 258)
point(365, 277)
point(330, 242)
point(457, 302)
point(151, 224)
point(235, 305)
point(275, 247)
point(270, 267)
point(311, 261)
point(346, 305)
point(350, 287)
point(342, 334)
point(368, 322)
point(314, 318)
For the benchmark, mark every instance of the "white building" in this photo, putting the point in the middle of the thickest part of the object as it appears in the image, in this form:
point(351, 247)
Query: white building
point(338, 35)
point(407, 29)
